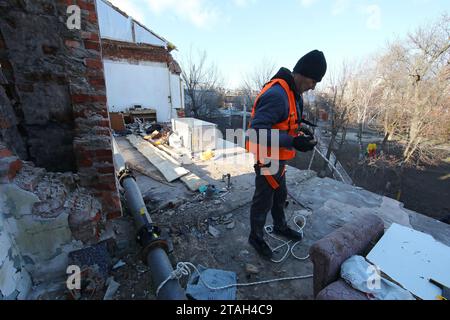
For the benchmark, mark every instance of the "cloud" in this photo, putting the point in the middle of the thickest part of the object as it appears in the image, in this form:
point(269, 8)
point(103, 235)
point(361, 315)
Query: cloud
point(244, 3)
point(307, 3)
point(373, 21)
point(339, 6)
point(196, 12)
point(130, 7)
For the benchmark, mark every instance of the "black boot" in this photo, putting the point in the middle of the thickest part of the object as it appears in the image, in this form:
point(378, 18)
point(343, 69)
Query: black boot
point(261, 247)
point(288, 233)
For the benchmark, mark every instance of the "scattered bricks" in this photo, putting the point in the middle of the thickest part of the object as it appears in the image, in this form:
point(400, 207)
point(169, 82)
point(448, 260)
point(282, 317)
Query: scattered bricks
point(29, 177)
point(72, 43)
point(14, 167)
point(52, 193)
point(9, 167)
point(51, 50)
point(94, 63)
point(5, 152)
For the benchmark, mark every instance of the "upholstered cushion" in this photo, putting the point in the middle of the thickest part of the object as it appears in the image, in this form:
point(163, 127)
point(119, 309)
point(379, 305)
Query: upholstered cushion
point(340, 290)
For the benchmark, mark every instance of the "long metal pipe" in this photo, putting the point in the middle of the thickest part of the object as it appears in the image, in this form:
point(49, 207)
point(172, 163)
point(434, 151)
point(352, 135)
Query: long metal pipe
point(156, 258)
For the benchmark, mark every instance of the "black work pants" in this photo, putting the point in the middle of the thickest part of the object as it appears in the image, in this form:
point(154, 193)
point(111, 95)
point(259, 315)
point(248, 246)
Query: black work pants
point(266, 199)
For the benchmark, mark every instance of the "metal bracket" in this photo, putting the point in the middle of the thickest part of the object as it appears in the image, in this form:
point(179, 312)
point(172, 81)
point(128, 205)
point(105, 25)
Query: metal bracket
point(125, 173)
point(149, 236)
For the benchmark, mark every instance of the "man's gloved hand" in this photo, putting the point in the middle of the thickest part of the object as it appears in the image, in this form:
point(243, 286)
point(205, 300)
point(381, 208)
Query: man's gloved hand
point(304, 143)
point(306, 131)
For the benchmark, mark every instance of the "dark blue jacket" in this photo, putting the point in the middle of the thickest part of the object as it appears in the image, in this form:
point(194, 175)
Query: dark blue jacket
point(273, 107)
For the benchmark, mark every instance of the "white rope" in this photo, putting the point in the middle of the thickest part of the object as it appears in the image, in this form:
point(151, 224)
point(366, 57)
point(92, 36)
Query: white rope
point(184, 270)
point(269, 229)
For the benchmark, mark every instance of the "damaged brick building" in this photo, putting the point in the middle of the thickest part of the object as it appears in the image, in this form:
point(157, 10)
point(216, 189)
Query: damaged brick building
point(58, 187)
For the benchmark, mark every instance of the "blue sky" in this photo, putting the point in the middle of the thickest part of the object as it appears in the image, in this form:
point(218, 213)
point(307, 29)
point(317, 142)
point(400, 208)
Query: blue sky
point(239, 34)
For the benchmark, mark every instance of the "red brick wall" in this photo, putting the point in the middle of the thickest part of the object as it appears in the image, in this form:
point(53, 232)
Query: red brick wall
point(92, 143)
point(119, 50)
point(9, 164)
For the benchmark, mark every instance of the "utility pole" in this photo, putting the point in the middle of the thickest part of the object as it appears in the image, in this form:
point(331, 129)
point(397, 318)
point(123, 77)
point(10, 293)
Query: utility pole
point(244, 121)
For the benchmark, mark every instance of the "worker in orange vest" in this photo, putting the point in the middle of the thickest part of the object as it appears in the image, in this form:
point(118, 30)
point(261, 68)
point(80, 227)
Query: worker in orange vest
point(279, 107)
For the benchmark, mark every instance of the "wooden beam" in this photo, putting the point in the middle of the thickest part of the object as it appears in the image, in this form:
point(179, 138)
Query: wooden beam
point(169, 170)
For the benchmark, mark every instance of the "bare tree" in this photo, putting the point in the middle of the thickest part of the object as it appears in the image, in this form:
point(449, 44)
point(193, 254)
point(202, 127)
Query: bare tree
point(414, 95)
point(417, 89)
point(339, 100)
point(255, 80)
point(202, 80)
point(364, 91)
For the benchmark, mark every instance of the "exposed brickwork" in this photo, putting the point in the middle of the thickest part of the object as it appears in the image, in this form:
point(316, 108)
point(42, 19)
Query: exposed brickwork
point(92, 143)
point(9, 164)
point(119, 50)
point(58, 74)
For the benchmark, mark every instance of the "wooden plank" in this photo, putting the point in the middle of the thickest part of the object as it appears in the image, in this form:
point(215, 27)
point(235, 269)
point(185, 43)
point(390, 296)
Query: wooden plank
point(169, 170)
point(192, 181)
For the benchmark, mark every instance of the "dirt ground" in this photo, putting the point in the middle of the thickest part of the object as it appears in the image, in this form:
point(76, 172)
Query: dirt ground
point(425, 190)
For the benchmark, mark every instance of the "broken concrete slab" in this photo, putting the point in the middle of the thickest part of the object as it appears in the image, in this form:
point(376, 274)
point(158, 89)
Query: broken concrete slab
point(29, 177)
point(16, 201)
point(8, 278)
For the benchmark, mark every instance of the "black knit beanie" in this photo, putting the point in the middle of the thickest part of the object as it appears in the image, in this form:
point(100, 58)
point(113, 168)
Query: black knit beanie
point(312, 65)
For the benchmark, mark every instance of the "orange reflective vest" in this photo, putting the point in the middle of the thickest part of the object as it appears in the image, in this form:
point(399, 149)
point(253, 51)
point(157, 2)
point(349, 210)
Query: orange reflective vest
point(290, 125)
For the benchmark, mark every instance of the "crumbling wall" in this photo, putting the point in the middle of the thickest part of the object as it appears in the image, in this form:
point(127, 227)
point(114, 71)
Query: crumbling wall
point(53, 115)
point(53, 96)
point(43, 217)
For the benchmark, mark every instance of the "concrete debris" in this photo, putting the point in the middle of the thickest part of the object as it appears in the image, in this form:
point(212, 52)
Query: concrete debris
point(52, 194)
point(112, 287)
point(231, 225)
point(213, 231)
point(251, 269)
point(29, 176)
point(119, 264)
